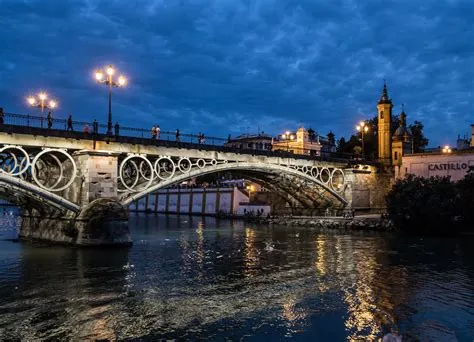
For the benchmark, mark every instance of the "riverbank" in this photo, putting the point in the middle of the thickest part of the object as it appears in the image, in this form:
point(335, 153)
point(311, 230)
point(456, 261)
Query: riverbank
point(363, 222)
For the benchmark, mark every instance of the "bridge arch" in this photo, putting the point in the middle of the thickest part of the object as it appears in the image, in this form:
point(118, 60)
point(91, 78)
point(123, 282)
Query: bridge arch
point(12, 188)
point(237, 166)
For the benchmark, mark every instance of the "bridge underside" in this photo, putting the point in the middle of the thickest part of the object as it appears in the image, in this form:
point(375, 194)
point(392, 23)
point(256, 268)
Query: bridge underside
point(295, 193)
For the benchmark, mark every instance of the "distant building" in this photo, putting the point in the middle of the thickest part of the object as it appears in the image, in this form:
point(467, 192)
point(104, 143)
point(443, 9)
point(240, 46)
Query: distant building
point(455, 164)
point(250, 142)
point(302, 142)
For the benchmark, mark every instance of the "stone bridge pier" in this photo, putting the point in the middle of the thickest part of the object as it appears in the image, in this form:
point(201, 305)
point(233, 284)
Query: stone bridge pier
point(101, 219)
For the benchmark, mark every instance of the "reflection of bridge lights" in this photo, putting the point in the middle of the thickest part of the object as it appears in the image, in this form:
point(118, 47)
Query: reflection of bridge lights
point(251, 253)
point(200, 243)
point(320, 262)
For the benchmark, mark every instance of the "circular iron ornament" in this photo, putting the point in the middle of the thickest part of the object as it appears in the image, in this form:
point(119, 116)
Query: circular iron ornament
point(213, 162)
point(22, 166)
point(137, 171)
point(201, 163)
point(51, 151)
point(160, 165)
point(325, 175)
point(315, 171)
point(143, 172)
point(339, 186)
point(187, 165)
point(307, 169)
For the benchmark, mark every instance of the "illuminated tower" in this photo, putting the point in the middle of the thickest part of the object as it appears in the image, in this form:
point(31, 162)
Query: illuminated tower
point(384, 108)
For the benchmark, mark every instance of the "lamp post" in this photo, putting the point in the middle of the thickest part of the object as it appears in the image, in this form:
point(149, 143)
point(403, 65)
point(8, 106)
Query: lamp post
point(107, 79)
point(40, 101)
point(362, 128)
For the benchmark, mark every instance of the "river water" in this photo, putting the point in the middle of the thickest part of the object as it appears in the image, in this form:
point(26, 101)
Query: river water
point(198, 278)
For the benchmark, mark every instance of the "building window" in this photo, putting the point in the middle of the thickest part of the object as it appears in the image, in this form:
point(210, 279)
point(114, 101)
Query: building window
point(249, 145)
point(396, 155)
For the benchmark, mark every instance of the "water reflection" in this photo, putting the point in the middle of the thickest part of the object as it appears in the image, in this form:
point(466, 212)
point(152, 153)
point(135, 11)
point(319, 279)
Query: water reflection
point(192, 278)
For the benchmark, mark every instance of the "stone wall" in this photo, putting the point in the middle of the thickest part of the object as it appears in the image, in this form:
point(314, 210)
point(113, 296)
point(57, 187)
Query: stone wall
point(366, 188)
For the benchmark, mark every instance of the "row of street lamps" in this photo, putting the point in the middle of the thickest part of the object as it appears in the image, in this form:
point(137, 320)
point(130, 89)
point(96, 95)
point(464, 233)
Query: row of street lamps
point(102, 77)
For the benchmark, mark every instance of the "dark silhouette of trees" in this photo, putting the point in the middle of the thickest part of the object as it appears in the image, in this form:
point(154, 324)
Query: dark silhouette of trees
point(432, 205)
point(311, 135)
point(419, 139)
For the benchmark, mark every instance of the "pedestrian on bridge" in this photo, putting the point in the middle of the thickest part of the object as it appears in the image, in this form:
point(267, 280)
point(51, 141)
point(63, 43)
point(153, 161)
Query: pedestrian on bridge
point(153, 132)
point(49, 118)
point(117, 129)
point(2, 116)
point(95, 127)
point(158, 131)
point(69, 123)
point(177, 134)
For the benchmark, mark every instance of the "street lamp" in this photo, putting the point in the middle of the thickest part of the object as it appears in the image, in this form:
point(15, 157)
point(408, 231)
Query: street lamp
point(107, 79)
point(447, 149)
point(362, 128)
point(287, 136)
point(40, 101)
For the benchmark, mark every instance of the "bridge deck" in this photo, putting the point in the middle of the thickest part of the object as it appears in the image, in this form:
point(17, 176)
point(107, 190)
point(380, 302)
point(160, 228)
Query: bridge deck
point(58, 133)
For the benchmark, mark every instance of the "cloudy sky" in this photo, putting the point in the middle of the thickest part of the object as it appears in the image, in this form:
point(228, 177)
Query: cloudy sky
point(231, 66)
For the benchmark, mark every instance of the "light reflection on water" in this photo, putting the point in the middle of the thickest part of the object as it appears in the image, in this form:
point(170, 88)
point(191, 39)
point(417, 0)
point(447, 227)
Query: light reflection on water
point(188, 277)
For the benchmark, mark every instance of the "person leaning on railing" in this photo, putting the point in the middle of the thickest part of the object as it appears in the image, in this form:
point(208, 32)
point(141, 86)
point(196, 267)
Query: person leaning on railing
point(95, 127)
point(49, 118)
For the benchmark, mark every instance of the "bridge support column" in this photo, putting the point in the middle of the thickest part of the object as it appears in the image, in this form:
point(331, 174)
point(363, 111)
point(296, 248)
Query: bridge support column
point(102, 220)
point(366, 188)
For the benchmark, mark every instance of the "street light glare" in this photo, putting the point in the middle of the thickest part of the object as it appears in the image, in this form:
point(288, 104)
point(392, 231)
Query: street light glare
point(52, 104)
point(362, 124)
point(358, 127)
point(122, 80)
point(42, 96)
point(110, 70)
point(99, 75)
point(31, 100)
point(366, 128)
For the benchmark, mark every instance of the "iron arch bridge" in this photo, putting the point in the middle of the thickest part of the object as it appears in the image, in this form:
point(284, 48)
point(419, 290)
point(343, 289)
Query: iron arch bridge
point(140, 175)
point(50, 176)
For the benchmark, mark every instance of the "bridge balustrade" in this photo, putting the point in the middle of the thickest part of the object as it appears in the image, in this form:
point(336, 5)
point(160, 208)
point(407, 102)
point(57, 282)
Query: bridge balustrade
point(36, 125)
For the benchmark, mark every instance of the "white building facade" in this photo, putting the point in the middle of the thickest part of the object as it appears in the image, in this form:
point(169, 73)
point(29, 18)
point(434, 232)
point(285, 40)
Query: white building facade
point(455, 164)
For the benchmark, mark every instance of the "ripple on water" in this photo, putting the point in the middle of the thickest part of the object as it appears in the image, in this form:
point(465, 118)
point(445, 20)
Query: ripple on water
point(189, 280)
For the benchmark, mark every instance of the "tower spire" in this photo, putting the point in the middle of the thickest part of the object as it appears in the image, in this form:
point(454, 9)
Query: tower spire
point(384, 98)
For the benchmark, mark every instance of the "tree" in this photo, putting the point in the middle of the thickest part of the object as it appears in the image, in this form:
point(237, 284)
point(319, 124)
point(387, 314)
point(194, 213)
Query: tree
point(419, 139)
point(426, 205)
point(466, 198)
point(311, 134)
point(341, 144)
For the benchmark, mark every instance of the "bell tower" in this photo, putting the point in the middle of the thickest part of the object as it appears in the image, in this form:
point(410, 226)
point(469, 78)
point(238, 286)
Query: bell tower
point(384, 108)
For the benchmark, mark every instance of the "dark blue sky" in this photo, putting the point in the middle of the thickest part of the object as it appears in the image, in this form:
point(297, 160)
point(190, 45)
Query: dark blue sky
point(229, 66)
